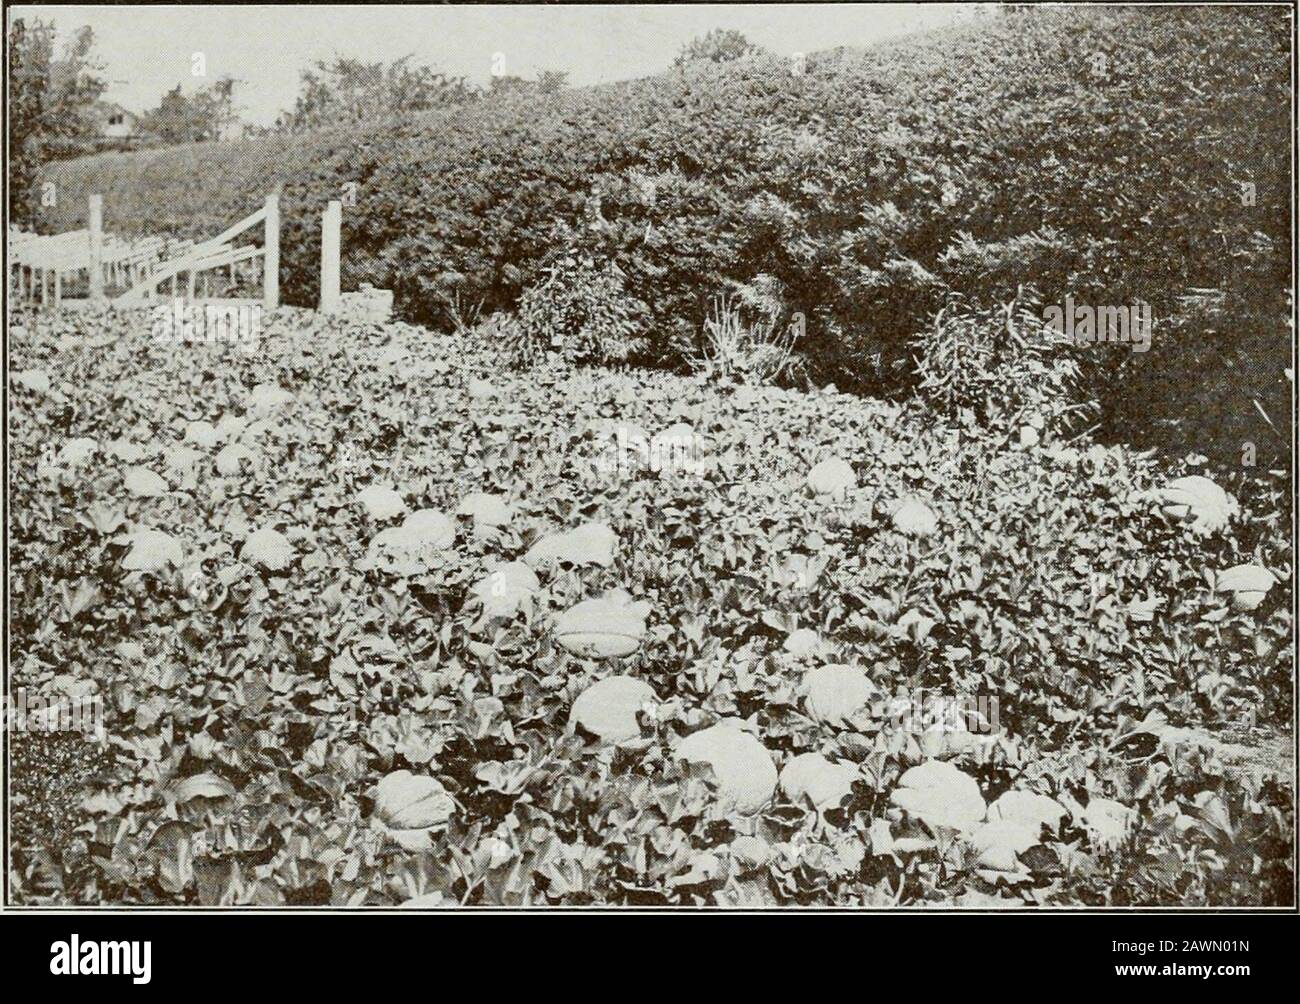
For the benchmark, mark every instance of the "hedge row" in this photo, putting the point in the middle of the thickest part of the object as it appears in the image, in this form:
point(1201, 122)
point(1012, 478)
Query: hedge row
point(1098, 152)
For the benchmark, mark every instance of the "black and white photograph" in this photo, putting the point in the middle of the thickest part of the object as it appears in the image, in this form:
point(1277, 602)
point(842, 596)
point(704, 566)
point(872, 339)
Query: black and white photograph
point(650, 458)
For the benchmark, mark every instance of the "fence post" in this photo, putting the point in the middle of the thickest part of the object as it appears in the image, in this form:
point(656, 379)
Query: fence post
point(331, 226)
point(271, 262)
point(97, 248)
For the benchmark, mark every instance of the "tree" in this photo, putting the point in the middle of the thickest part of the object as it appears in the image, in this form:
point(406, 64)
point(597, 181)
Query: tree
point(206, 115)
point(51, 104)
point(347, 91)
point(721, 45)
point(26, 94)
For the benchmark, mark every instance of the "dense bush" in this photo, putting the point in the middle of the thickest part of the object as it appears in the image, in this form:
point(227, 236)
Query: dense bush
point(579, 310)
point(1000, 367)
point(870, 185)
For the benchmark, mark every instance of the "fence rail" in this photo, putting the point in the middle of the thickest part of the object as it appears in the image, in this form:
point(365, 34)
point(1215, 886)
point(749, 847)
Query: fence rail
point(41, 264)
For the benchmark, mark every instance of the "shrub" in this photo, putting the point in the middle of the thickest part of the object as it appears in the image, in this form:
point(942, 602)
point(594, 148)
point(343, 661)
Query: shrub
point(580, 310)
point(1000, 366)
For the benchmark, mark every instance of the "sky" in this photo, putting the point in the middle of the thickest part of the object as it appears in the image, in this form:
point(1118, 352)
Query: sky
point(147, 50)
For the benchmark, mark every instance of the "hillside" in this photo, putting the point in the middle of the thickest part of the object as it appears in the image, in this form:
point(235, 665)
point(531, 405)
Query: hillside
point(1095, 152)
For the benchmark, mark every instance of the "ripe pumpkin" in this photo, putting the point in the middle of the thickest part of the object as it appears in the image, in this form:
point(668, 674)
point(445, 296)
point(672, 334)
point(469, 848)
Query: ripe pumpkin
point(939, 794)
point(202, 434)
point(409, 548)
point(823, 782)
point(1027, 807)
point(152, 551)
point(999, 844)
point(268, 397)
point(488, 510)
point(913, 517)
point(144, 483)
point(381, 503)
point(832, 477)
point(741, 765)
point(588, 544)
point(267, 549)
point(608, 709)
point(410, 808)
point(1249, 584)
point(505, 588)
point(1198, 500)
point(604, 628)
point(77, 452)
point(835, 694)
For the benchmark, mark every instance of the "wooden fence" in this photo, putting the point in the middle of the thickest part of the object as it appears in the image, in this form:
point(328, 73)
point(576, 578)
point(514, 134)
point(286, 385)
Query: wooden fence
point(41, 267)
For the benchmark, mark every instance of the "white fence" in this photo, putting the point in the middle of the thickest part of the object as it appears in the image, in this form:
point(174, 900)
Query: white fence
point(40, 266)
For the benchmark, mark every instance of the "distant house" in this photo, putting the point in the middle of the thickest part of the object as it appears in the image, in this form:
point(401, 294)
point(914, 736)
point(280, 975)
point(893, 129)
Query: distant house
point(113, 122)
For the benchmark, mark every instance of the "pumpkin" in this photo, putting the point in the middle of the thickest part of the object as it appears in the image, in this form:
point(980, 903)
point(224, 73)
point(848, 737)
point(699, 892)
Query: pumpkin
point(144, 483)
point(1249, 584)
point(608, 709)
point(409, 548)
point(833, 477)
point(410, 808)
point(36, 381)
point(267, 549)
point(480, 390)
point(999, 844)
point(588, 544)
point(939, 794)
point(804, 643)
point(202, 434)
point(181, 459)
point(268, 397)
point(229, 458)
point(1029, 808)
point(505, 588)
point(741, 765)
point(231, 426)
point(911, 516)
point(381, 503)
point(77, 452)
point(1107, 821)
point(604, 628)
point(152, 551)
point(127, 451)
point(1198, 500)
point(428, 901)
point(836, 694)
point(486, 509)
point(823, 782)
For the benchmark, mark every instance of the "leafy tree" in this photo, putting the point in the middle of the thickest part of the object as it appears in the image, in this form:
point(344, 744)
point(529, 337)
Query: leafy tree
point(347, 91)
point(552, 81)
point(206, 115)
point(547, 82)
point(50, 103)
point(26, 101)
point(721, 45)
